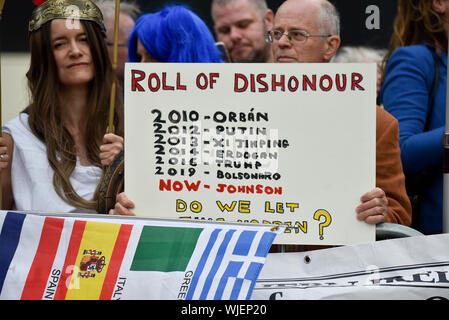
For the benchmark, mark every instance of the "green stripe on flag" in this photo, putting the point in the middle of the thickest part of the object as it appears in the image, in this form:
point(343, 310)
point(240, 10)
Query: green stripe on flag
point(165, 248)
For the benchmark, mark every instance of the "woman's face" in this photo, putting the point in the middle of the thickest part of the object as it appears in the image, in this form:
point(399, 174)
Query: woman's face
point(143, 53)
point(72, 53)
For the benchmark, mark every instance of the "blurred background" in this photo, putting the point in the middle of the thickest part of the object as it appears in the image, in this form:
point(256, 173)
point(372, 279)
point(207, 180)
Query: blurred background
point(16, 14)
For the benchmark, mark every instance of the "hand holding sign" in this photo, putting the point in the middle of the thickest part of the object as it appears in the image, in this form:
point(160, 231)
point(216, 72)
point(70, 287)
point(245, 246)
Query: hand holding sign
point(373, 209)
point(123, 206)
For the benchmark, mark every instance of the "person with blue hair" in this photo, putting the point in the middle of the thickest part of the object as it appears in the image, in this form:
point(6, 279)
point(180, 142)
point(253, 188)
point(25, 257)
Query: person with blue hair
point(174, 34)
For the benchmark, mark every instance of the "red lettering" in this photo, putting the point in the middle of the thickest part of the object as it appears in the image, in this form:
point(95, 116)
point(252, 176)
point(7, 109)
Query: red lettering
point(198, 82)
point(262, 82)
point(136, 76)
point(158, 82)
point(356, 79)
point(192, 186)
point(236, 80)
point(178, 185)
point(253, 85)
point(275, 83)
point(329, 85)
point(164, 82)
point(292, 88)
point(340, 87)
point(164, 185)
point(179, 86)
point(306, 82)
point(212, 77)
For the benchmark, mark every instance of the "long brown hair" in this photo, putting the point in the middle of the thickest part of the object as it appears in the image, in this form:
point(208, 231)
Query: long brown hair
point(417, 22)
point(45, 112)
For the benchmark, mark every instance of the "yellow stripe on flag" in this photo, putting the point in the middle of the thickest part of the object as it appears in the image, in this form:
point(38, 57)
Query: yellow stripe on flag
point(92, 260)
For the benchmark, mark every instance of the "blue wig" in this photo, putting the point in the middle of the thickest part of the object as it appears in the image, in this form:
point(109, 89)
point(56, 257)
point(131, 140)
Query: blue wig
point(174, 34)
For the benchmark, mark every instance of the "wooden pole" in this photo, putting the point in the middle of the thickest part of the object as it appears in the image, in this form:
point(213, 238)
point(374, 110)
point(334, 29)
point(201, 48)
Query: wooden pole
point(114, 68)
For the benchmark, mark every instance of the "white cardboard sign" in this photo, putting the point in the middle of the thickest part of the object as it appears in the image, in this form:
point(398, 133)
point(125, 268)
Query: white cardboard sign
point(261, 143)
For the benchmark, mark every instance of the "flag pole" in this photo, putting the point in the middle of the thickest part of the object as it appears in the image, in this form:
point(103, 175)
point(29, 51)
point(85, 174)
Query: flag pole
point(114, 68)
point(2, 3)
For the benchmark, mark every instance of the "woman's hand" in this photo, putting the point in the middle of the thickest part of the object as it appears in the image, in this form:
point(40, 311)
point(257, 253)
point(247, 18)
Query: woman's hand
point(111, 147)
point(6, 157)
point(123, 206)
point(4, 153)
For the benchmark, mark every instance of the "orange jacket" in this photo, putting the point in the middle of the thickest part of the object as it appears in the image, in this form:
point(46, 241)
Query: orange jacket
point(389, 173)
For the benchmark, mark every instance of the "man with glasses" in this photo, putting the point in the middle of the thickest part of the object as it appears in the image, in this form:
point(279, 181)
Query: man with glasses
point(308, 31)
point(242, 25)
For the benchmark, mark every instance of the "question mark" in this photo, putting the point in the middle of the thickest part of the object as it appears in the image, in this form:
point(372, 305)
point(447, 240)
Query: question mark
point(327, 221)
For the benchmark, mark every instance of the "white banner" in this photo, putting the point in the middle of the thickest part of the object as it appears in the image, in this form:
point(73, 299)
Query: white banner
point(407, 268)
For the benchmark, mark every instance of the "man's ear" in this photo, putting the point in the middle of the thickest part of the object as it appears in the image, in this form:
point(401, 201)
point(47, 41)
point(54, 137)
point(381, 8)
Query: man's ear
point(332, 45)
point(269, 19)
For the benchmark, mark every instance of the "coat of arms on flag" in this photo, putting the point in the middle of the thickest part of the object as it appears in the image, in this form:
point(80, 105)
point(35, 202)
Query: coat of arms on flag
point(50, 257)
point(91, 263)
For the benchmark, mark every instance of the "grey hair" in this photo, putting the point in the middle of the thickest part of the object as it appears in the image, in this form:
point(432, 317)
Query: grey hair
point(260, 5)
point(107, 7)
point(359, 54)
point(330, 18)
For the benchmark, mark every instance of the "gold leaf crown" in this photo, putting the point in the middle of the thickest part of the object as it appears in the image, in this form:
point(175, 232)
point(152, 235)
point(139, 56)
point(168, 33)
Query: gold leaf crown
point(65, 9)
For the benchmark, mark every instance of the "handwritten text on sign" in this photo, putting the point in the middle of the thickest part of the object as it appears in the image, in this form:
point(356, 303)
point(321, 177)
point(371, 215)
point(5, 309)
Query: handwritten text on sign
point(259, 143)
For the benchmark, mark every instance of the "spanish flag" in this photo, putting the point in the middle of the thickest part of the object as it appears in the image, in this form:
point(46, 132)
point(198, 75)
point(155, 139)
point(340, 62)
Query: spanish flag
point(94, 252)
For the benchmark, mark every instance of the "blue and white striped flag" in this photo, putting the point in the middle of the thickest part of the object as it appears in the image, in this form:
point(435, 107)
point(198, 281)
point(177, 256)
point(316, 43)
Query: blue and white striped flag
point(230, 264)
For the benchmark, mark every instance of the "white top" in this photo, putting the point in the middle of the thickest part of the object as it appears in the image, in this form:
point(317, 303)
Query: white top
point(32, 176)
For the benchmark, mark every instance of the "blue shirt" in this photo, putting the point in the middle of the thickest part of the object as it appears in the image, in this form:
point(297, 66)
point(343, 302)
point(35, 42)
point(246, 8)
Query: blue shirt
point(407, 94)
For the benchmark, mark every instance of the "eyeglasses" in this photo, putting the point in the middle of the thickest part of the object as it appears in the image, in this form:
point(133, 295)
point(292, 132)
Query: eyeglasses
point(292, 35)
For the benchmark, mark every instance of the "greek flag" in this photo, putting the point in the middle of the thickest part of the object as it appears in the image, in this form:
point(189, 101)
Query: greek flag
point(230, 265)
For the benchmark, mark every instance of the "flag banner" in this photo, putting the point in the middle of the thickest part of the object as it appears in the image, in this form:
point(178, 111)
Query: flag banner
point(94, 258)
point(413, 268)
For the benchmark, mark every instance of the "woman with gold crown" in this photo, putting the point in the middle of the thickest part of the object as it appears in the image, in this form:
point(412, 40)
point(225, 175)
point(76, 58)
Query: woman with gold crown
point(52, 153)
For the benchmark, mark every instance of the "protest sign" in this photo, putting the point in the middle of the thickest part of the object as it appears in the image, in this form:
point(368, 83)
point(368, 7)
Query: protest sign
point(261, 143)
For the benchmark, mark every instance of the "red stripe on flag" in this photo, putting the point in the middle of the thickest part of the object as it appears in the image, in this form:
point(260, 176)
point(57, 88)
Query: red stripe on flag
point(43, 260)
point(116, 261)
point(70, 259)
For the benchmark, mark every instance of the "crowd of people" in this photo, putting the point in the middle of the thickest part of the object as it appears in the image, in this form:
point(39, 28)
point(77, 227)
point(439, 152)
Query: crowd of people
point(52, 159)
